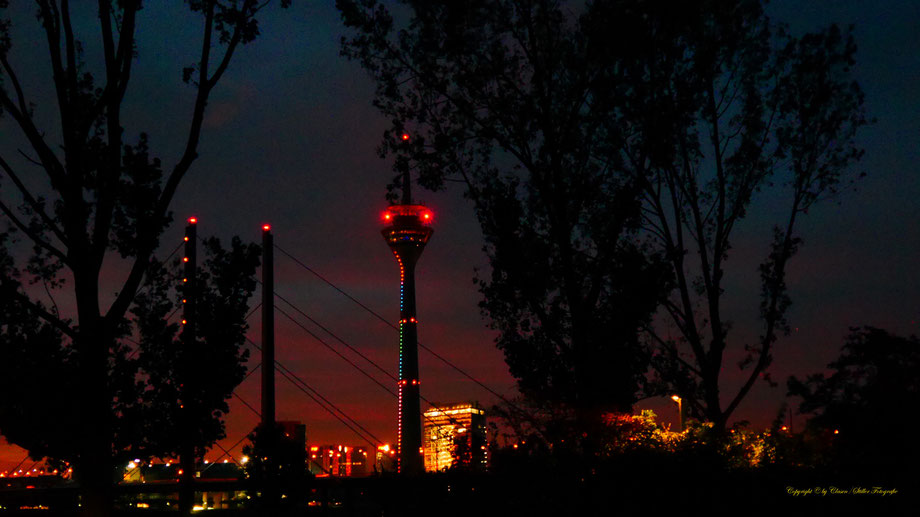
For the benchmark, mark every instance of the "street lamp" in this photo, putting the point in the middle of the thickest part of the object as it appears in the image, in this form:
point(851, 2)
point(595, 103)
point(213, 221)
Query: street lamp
point(680, 410)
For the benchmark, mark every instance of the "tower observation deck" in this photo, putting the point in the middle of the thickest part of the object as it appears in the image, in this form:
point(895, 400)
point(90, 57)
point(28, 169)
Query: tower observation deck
point(407, 231)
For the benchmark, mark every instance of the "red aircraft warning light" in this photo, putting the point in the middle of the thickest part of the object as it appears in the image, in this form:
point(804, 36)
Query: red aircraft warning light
point(266, 227)
point(405, 137)
point(408, 214)
point(192, 220)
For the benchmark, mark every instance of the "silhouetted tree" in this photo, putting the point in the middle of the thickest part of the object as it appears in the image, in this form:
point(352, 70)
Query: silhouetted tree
point(572, 126)
point(149, 379)
point(859, 406)
point(90, 223)
point(504, 97)
point(721, 105)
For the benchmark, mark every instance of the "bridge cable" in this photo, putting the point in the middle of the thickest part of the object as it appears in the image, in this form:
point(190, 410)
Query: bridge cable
point(381, 318)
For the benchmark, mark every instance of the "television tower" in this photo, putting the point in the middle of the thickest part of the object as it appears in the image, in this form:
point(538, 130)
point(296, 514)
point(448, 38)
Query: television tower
point(407, 231)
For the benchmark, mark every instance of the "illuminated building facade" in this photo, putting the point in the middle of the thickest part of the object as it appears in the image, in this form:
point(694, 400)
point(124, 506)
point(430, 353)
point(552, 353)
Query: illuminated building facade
point(338, 461)
point(407, 231)
point(455, 433)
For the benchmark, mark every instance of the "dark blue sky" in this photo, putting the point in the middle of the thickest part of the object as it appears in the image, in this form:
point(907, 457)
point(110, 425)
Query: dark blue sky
point(290, 139)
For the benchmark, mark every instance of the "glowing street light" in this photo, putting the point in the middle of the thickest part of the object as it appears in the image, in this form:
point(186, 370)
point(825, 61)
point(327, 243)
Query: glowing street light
point(680, 410)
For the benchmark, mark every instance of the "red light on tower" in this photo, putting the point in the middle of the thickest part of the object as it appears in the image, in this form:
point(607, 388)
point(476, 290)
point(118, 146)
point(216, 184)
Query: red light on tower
point(405, 137)
point(192, 220)
point(266, 228)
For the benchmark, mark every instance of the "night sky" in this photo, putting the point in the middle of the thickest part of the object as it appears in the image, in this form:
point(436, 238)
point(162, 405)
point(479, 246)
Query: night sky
point(290, 140)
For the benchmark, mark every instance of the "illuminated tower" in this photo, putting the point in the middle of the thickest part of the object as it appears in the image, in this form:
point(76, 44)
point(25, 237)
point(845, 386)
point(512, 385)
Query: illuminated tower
point(407, 231)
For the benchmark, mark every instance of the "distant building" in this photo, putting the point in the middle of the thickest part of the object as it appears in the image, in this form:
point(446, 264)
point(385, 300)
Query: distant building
point(338, 461)
point(295, 431)
point(455, 433)
point(385, 461)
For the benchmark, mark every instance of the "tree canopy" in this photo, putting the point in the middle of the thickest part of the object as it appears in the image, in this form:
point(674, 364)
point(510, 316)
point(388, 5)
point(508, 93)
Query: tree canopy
point(858, 405)
point(506, 98)
point(89, 221)
point(611, 149)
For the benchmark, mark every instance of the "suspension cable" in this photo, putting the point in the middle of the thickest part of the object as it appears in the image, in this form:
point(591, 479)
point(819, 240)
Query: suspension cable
point(386, 321)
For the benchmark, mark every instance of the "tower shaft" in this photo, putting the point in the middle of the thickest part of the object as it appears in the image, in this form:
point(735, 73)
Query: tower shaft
point(407, 235)
point(409, 434)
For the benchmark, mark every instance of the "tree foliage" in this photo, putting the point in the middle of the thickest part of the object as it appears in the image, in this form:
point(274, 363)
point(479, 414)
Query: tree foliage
point(89, 221)
point(723, 105)
point(611, 150)
point(857, 406)
point(150, 379)
point(504, 97)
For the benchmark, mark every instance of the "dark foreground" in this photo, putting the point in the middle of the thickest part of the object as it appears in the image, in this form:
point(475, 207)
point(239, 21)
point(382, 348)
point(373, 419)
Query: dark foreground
point(638, 485)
